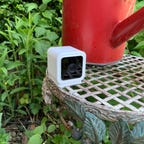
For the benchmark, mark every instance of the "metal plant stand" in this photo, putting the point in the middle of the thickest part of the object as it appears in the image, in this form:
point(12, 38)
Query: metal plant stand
point(113, 93)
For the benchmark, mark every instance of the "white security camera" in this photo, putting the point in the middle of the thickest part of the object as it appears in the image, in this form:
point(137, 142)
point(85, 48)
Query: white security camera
point(66, 65)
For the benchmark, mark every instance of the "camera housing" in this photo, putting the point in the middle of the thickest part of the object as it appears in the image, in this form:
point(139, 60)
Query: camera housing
point(66, 65)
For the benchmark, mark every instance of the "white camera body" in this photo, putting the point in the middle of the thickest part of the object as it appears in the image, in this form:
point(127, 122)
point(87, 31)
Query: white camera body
point(66, 65)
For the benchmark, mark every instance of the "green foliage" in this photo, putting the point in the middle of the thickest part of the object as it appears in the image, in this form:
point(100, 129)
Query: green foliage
point(35, 138)
point(9, 8)
point(136, 44)
point(63, 137)
point(139, 4)
point(4, 137)
point(27, 29)
point(35, 134)
point(23, 48)
point(53, 133)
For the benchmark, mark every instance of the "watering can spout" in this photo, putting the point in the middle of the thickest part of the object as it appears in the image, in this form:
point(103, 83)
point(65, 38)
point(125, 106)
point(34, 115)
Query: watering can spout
point(128, 28)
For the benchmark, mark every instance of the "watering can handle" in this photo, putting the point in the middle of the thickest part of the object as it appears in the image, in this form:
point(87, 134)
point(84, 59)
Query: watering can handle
point(127, 28)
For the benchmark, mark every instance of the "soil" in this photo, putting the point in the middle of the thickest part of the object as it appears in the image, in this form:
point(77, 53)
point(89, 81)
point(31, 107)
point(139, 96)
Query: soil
point(17, 130)
point(17, 135)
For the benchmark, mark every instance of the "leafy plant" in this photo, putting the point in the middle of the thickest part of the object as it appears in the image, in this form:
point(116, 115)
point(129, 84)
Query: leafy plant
point(4, 137)
point(23, 57)
point(55, 133)
point(136, 44)
point(9, 8)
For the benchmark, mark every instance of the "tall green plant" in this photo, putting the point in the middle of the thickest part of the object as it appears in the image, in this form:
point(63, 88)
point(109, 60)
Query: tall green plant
point(136, 44)
point(23, 62)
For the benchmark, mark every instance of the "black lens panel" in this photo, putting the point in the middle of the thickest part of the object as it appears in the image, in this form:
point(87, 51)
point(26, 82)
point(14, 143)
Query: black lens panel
point(71, 67)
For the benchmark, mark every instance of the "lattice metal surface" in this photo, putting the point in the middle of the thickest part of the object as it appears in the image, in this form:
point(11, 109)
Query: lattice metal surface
point(118, 87)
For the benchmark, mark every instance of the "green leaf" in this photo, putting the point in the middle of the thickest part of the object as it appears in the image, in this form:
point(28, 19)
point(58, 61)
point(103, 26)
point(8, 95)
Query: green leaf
point(120, 133)
point(52, 36)
point(39, 129)
point(22, 51)
point(48, 14)
point(51, 128)
point(57, 139)
point(20, 111)
point(3, 56)
point(17, 90)
point(12, 79)
point(44, 120)
point(35, 139)
point(35, 107)
point(140, 45)
point(0, 120)
point(43, 7)
point(138, 133)
point(4, 96)
point(135, 53)
point(4, 34)
point(36, 18)
point(24, 99)
point(39, 31)
point(94, 128)
point(139, 37)
point(41, 48)
point(12, 65)
point(139, 4)
point(4, 70)
point(20, 23)
point(31, 6)
point(46, 1)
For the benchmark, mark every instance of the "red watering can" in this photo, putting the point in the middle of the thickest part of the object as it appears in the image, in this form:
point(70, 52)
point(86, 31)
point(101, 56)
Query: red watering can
point(100, 28)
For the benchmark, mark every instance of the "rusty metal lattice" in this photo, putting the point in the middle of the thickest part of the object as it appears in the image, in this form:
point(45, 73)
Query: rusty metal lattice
point(115, 88)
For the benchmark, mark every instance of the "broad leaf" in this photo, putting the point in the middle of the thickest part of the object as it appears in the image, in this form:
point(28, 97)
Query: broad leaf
point(40, 129)
point(51, 128)
point(48, 14)
point(52, 36)
point(41, 47)
point(120, 133)
point(39, 31)
point(46, 1)
point(94, 128)
point(31, 6)
point(35, 107)
point(35, 139)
